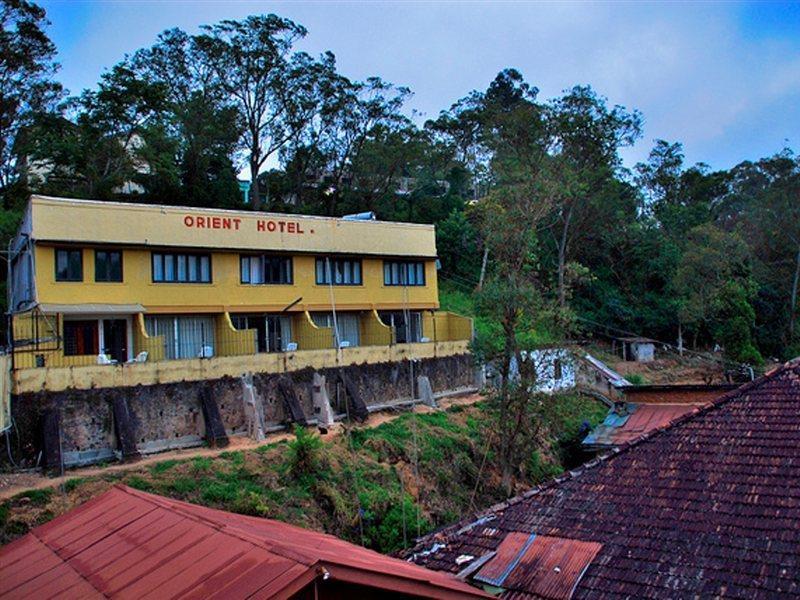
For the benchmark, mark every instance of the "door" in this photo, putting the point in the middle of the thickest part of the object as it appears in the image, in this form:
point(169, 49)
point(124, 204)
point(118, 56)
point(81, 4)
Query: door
point(115, 339)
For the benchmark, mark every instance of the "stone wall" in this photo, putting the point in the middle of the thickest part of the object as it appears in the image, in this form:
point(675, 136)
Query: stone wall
point(170, 415)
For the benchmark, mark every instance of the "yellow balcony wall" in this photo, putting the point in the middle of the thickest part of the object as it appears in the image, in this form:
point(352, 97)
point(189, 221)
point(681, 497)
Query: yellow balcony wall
point(142, 342)
point(373, 331)
point(443, 326)
point(230, 341)
point(309, 336)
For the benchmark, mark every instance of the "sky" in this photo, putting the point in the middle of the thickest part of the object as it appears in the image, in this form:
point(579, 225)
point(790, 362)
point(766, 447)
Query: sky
point(723, 78)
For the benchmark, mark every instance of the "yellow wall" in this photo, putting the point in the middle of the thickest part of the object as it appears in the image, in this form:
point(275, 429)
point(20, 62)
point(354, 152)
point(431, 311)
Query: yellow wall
point(142, 342)
point(60, 219)
point(373, 331)
point(27, 326)
point(308, 335)
point(446, 326)
point(226, 292)
point(230, 341)
point(171, 371)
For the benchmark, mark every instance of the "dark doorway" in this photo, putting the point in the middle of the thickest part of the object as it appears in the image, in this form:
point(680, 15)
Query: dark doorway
point(115, 339)
point(275, 341)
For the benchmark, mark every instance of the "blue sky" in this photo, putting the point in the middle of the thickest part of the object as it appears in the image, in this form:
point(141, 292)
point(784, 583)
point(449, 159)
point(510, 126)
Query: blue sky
point(721, 77)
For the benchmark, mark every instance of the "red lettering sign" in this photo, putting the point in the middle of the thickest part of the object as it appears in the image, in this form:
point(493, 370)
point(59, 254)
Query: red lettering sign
point(234, 223)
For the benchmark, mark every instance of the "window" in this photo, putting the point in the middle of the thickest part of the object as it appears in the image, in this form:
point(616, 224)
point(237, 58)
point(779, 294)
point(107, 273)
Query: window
point(264, 269)
point(80, 338)
point(69, 265)
point(338, 271)
point(348, 323)
point(183, 336)
point(181, 268)
point(403, 272)
point(107, 265)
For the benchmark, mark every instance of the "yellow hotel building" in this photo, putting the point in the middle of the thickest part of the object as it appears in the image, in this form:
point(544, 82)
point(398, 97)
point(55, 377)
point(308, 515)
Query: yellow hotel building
point(105, 283)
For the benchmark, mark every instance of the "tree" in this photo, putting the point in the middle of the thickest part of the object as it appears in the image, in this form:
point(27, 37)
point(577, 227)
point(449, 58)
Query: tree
point(197, 115)
point(27, 87)
point(274, 90)
point(588, 136)
point(516, 134)
point(763, 205)
point(328, 150)
point(113, 145)
point(679, 199)
point(712, 258)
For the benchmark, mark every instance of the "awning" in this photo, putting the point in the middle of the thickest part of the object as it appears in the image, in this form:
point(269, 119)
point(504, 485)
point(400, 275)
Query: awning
point(91, 309)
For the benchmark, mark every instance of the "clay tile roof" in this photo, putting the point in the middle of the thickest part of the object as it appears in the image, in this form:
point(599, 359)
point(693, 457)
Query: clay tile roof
point(130, 544)
point(705, 506)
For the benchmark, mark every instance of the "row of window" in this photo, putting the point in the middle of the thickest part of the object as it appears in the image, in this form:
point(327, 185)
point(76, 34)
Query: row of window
point(171, 267)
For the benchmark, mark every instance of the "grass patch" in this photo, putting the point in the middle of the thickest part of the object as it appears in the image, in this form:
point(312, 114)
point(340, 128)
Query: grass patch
point(140, 483)
point(72, 484)
point(163, 466)
point(36, 497)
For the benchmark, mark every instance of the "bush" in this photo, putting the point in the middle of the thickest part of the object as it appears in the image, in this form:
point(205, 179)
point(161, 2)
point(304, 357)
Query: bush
point(636, 379)
point(305, 453)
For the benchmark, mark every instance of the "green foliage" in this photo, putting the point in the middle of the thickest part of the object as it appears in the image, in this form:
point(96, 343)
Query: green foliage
point(636, 379)
point(163, 466)
point(36, 497)
point(74, 483)
point(733, 323)
point(140, 483)
point(305, 457)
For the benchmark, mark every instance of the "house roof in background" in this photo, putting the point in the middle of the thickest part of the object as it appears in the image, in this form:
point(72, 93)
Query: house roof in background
point(635, 420)
point(705, 506)
point(127, 543)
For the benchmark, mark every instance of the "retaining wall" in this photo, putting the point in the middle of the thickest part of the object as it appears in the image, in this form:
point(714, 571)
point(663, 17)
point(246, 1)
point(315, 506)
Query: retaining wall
point(169, 415)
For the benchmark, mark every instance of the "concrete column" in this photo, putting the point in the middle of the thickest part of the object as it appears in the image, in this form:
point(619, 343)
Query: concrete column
point(322, 404)
point(426, 391)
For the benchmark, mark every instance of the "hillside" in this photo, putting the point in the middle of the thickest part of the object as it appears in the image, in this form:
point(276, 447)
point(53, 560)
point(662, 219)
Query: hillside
point(404, 477)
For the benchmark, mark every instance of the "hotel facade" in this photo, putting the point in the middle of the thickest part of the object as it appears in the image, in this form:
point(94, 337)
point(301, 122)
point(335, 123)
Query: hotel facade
point(103, 284)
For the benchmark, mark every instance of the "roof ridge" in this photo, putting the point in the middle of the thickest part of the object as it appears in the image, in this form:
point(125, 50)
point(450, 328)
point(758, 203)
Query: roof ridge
point(465, 524)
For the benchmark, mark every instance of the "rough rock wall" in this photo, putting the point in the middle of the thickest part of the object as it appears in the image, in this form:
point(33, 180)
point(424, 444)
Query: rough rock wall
point(170, 415)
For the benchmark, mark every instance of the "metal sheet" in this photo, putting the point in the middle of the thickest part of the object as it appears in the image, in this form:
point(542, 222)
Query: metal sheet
point(552, 567)
point(128, 544)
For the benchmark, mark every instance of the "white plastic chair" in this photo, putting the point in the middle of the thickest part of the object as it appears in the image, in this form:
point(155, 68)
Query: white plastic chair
point(291, 347)
point(206, 352)
point(139, 358)
point(104, 359)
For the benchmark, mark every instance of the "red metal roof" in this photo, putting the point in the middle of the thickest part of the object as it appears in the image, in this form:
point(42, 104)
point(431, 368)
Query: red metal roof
point(640, 419)
point(648, 417)
point(542, 565)
point(129, 544)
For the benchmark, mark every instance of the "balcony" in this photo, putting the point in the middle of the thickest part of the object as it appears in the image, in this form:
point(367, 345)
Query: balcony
point(212, 347)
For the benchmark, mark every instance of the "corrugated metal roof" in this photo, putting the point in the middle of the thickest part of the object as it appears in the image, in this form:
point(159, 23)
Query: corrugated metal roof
point(638, 419)
point(128, 544)
point(545, 566)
